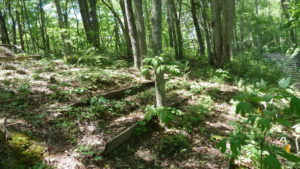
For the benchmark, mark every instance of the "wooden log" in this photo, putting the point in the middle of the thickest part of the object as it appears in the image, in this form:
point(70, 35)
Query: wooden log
point(116, 94)
point(118, 140)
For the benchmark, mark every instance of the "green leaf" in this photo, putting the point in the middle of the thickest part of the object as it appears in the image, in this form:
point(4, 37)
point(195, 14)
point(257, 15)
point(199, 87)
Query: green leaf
point(264, 124)
point(222, 145)
point(284, 122)
point(295, 105)
point(268, 97)
point(243, 108)
point(271, 162)
point(284, 83)
point(262, 84)
point(289, 156)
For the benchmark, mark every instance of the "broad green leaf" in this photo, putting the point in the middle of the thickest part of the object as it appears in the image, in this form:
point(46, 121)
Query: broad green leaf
point(271, 162)
point(289, 156)
point(284, 83)
point(264, 124)
point(284, 122)
point(267, 97)
point(262, 84)
point(222, 145)
point(295, 105)
point(243, 108)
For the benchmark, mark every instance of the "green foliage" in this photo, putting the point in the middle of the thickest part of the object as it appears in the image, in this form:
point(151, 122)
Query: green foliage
point(173, 143)
point(164, 114)
point(262, 111)
point(160, 65)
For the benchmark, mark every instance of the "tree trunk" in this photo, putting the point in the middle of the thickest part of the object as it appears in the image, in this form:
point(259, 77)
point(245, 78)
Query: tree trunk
point(292, 34)
point(94, 23)
point(20, 29)
point(157, 27)
point(141, 27)
point(43, 27)
point(84, 11)
point(133, 34)
point(228, 9)
point(160, 89)
point(62, 27)
point(178, 30)
point(206, 29)
point(222, 24)
point(32, 38)
point(127, 36)
point(157, 50)
point(4, 31)
point(197, 28)
point(172, 27)
point(13, 26)
point(217, 59)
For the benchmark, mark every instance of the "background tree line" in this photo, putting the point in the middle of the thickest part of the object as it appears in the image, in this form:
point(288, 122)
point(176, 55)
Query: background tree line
point(134, 29)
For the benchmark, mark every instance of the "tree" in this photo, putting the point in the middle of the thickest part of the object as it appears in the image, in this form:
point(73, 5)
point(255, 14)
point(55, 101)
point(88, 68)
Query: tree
point(135, 43)
point(90, 21)
point(157, 50)
point(62, 26)
point(197, 28)
point(222, 25)
point(4, 32)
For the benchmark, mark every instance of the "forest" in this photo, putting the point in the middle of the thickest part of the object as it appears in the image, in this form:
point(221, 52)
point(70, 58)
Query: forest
point(133, 84)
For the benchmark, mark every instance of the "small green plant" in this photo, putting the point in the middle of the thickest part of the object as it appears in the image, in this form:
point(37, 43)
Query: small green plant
point(173, 143)
point(262, 109)
point(87, 151)
point(164, 114)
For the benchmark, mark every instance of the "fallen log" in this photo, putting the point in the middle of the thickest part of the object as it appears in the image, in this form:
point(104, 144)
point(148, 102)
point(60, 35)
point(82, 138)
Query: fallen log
point(118, 140)
point(116, 94)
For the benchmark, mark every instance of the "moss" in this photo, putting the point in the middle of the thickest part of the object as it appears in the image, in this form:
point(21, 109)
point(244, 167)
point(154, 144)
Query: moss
point(22, 151)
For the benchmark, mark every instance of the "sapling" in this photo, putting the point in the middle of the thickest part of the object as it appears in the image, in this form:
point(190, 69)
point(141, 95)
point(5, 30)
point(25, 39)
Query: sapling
point(159, 67)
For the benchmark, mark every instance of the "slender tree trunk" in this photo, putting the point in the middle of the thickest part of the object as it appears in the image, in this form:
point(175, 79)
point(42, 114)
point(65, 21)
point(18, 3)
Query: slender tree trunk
point(62, 27)
point(94, 23)
point(133, 34)
point(13, 26)
point(178, 30)
point(126, 29)
point(43, 27)
point(292, 34)
point(32, 38)
point(3, 31)
point(141, 27)
point(197, 28)
point(229, 11)
point(20, 29)
point(84, 11)
point(206, 29)
point(157, 27)
point(157, 50)
point(217, 59)
point(172, 27)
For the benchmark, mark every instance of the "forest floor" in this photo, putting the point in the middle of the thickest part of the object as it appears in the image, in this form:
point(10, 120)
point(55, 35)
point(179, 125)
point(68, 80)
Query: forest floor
point(43, 106)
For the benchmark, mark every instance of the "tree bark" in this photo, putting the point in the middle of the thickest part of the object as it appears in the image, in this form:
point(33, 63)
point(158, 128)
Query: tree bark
point(157, 50)
point(126, 29)
point(94, 23)
point(141, 27)
point(197, 28)
point(4, 31)
point(178, 30)
point(133, 34)
point(20, 29)
point(84, 11)
point(62, 27)
point(157, 27)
